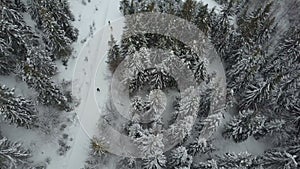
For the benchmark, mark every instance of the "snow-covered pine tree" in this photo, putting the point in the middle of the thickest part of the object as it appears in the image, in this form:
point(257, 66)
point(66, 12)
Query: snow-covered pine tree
point(272, 127)
point(15, 37)
point(280, 159)
point(172, 7)
point(221, 29)
point(203, 18)
point(125, 7)
point(40, 61)
point(15, 109)
point(137, 108)
point(48, 92)
point(180, 130)
point(179, 157)
point(113, 56)
point(151, 147)
point(160, 79)
point(256, 96)
point(237, 161)
point(200, 70)
point(54, 19)
point(248, 123)
point(254, 31)
point(189, 103)
point(98, 146)
point(7, 59)
point(286, 71)
point(135, 63)
point(157, 104)
point(257, 26)
point(188, 10)
point(209, 164)
point(232, 160)
point(12, 154)
point(200, 146)
point(135, 130)
point(244, 125)
point(157, 162)
point(150, 144)
point(127, 163)
point(244, 71)
point(282, 69)
point(285, 155)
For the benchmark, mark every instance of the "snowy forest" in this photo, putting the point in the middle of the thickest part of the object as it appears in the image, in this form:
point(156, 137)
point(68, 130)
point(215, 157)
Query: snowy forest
point(176, 117)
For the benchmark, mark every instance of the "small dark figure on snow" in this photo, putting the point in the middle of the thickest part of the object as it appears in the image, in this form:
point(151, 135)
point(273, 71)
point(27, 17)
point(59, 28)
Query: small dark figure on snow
point(111, 28)
point(98, 90)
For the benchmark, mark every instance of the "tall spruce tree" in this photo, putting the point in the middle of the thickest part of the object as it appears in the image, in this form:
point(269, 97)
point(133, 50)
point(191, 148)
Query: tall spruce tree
point(54, 20)
point(15, 109)
point(114, 56)
point(12, 154)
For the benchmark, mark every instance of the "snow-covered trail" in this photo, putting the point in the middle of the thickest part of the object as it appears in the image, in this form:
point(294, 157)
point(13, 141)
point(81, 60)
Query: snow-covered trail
point(90, 18)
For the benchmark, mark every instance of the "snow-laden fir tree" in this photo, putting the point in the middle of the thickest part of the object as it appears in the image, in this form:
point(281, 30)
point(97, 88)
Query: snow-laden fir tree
point(113, 56)
point(284, 70)
point(209, 164)
point(244, 71)
point(136, 6)
point(202, 18)
point(16, 109)
point(135, 130)
point(15, 37)
point(137, 108)
point(40, 61)
point(248, 123)
point(256, 96)
point(135, 63)
point(242, 160)
point(150, 144)
point(284, 155)
point(160, 79)
point(188, 9)
point(12, 154)
point(48, 92)
point(125, 7)
point(221, 29)
point(172, 7)
point(127, 163)
point(275, 158)
point(189, 102)
point(244, 125)
point(200, 146)
point(179, 157)
point(98, 146)
point(54, 19)
point(232, 160)
point(254, 31)
point(151, 147)
point(157, 104)
point(180, 130)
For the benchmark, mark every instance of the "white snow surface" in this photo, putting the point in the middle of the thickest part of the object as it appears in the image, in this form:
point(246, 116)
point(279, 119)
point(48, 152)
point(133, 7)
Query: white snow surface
point(89, 73)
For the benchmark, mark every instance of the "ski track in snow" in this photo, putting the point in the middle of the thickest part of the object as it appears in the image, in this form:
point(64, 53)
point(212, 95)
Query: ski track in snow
point(85, 16)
